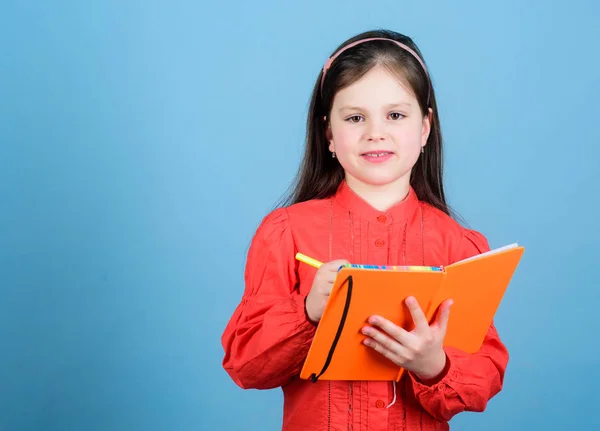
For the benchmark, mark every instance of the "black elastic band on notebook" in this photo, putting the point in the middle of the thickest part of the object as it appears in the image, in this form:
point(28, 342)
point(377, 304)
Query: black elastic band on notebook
point(313, 376)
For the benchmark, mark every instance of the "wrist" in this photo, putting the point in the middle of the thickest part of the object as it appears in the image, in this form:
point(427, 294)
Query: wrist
point(435, 370)
point(307, 314)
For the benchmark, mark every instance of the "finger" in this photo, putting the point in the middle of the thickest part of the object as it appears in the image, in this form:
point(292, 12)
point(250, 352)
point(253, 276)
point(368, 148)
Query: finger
point(384, 351)
point(388, 339)
point(327, 279)
point(441, 322)
point(326, 275)
point(329, 273)
point(417, 314)
point(334, 265)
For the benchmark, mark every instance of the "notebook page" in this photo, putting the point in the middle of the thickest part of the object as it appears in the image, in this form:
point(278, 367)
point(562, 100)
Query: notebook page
point(494, 251)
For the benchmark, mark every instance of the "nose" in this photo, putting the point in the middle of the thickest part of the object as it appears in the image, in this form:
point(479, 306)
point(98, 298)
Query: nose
point(376, 131)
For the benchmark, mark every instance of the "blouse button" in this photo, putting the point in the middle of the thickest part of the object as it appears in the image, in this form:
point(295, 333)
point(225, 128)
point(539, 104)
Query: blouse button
point(379, 243)
point(379, 404)
point(381, 218)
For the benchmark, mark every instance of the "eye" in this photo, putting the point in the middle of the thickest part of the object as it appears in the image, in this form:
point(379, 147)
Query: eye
point(354, 119)
point(396, 116)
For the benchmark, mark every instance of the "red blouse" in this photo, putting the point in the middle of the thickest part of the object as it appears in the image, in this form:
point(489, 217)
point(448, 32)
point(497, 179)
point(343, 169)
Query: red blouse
point(268, 336)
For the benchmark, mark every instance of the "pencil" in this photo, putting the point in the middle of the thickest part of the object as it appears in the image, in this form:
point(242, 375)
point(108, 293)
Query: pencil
point(308, 260)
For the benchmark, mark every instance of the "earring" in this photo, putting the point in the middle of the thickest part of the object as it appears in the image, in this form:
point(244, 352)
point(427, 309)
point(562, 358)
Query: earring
point(333, 154)
point(422, 150)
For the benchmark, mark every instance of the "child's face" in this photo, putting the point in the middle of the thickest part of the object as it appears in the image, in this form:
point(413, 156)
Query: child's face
point(377, 129)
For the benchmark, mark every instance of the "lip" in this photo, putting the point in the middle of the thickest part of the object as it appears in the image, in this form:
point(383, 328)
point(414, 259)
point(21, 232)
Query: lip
point(382, 156)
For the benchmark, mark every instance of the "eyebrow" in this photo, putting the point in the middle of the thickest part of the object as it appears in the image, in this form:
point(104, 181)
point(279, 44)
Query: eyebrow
point(400, 105)
point(388, 106)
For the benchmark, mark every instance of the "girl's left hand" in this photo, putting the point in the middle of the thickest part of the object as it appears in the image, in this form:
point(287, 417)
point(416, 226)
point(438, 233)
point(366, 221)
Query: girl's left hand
point(420, 350)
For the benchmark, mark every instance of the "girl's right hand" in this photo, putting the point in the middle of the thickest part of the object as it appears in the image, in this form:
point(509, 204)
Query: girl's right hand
point(321, 288)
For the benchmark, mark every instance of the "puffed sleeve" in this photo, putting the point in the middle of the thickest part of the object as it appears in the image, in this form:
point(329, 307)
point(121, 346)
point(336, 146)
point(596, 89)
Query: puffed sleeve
point(268, 336)
point(469, 381)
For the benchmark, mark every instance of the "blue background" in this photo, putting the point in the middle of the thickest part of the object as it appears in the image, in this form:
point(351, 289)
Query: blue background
point(142, 142)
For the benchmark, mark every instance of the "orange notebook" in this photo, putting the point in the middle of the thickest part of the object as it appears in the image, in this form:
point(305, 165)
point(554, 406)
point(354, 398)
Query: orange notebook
point(476, 285)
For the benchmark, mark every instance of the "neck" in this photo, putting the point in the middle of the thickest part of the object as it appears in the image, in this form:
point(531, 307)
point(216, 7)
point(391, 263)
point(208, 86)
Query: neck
point(380, 197)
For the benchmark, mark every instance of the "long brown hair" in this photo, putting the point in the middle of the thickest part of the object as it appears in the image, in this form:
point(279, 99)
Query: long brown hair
point(319, 175)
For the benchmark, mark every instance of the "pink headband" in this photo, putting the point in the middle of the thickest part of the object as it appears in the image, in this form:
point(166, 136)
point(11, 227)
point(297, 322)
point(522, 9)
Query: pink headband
point(336, 55)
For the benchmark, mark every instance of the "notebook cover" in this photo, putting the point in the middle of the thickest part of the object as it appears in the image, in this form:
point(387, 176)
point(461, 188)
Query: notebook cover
point(379, 292)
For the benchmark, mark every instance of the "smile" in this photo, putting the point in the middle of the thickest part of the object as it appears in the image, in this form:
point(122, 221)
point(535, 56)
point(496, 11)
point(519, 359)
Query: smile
point(377, 156)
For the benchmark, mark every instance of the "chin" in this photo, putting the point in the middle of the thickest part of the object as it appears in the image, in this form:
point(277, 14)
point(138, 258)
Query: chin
point(380, 179)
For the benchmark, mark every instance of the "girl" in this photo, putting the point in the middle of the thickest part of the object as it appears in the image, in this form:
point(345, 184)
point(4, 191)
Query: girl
point(369, 191)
